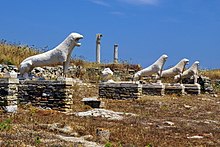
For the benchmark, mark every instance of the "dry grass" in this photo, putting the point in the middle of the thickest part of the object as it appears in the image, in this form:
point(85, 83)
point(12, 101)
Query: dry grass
point(212, 74)
point(191, 116)
point(14, 54)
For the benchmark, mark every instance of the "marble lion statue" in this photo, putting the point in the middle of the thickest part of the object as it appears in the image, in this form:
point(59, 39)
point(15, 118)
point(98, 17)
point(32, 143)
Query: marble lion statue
point(193, 71)
point(59, 55)
point(175, 70)
point(155, 68)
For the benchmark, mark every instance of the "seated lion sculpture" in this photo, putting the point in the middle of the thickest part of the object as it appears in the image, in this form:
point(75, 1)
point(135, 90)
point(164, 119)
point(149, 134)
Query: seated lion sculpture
point(59, 55)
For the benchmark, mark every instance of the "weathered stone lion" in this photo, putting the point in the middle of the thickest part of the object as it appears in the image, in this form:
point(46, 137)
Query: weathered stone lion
point(192, 72)
point(59, 55)
point(175, 70)
point(155, 68)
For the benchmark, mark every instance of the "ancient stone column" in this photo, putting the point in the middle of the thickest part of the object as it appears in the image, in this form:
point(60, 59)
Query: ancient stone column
point(98, 46)
point(116, 53)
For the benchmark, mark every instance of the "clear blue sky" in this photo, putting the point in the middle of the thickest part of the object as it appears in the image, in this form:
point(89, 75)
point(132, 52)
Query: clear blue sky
point(144, 29)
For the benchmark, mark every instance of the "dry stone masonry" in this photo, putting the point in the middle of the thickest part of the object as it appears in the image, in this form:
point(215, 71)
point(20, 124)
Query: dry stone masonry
point(134, 90)
point(192, 89)
point(174, 89)
point(8, 94)
point(120, 90)
point(56, 95)
point(153, 89)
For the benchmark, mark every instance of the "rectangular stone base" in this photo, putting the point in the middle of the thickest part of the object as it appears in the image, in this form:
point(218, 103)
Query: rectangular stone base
point(120, 90)
point(178, 89)
point(92, 102)
point(53, 94)
point(192, 88)
point(153, 89)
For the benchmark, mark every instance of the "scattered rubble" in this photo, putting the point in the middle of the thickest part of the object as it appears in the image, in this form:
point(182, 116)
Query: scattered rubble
point(111, 115)
point(80, 140)
point(195, 137)
point(58, 128)
point(168, 123)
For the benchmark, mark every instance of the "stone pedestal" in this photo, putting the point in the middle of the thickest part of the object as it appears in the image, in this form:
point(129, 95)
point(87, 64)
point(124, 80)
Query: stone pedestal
point(56, 95)
point(120, 90)
point(192, 88)
point(92, 102)
point(153, 89)
point(8, 94)
point(178, 89)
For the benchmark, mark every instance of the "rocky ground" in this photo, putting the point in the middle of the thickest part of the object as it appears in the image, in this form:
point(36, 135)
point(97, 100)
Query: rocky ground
point(150, 121)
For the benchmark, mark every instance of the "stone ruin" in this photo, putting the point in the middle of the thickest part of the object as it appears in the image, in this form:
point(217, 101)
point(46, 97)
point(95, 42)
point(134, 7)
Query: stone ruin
point(136, 88)
point(58, 93)
point(48, 87)
point(55, 94)
point(60, 55)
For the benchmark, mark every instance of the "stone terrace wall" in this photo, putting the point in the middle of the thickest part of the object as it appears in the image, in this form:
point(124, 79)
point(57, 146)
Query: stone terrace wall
point(120, 90)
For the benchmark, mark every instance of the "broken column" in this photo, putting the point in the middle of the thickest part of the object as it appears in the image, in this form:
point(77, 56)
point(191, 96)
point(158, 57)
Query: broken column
point(98, 46)
point(116, 53)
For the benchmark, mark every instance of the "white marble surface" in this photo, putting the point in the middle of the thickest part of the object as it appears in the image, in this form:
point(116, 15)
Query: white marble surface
point(175, 70)
point(59, 55)
point(155, 68)
point(192, 71)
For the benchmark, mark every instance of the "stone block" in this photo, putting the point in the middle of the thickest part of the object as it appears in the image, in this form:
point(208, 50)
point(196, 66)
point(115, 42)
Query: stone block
point(9, 81)
point(92, 102)
point(178, 89)
point(120, 90)
point(192, 89)
point(11, 108)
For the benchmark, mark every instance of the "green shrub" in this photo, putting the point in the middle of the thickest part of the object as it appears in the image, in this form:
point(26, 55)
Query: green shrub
point(5, 125)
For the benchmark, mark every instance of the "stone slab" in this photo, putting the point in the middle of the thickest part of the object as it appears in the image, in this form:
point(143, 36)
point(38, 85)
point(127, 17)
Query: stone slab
point(92, 102)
